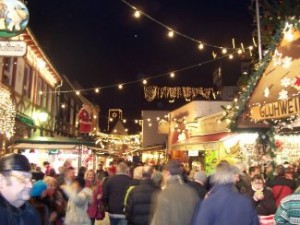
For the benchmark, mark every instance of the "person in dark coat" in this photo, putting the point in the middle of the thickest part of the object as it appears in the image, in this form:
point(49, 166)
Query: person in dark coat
point(261, 197)
point(224, 205)
point(37, 174)
point(199, 183)
point(139, 200)
point(114, 191)
point(280, 185)
point(175, 204)
point(38, 192)
point(15, 187)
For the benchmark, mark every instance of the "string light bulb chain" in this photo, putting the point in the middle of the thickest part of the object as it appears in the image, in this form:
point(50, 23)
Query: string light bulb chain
point(145, 80)
point(171, 32)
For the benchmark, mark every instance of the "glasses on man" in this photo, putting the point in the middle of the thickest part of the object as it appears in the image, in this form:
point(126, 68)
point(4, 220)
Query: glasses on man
point(21, 178)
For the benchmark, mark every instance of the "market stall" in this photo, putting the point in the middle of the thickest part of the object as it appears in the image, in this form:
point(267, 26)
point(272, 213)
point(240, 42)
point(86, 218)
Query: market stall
point(56, 150)
point(270, 103)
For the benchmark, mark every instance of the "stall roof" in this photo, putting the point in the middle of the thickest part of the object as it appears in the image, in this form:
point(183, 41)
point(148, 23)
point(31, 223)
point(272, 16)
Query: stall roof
point(49, 143)
point(273, 89)
point(151, 148)
point(203, 142)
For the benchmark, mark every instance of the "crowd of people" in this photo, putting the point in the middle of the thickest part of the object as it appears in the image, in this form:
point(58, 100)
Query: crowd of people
point(143, 194)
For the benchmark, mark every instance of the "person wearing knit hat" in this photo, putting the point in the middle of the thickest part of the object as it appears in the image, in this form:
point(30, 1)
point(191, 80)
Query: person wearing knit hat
point(15, 188)
point(38, 188)
point(38, 193)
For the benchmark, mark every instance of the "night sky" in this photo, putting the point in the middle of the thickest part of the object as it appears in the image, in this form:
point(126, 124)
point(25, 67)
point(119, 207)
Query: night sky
point(99, 43)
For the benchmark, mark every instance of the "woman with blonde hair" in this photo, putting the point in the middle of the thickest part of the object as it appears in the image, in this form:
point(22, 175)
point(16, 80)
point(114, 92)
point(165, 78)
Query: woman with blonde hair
point(95, 209)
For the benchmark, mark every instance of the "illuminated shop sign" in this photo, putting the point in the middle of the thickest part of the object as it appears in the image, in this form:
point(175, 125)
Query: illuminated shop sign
point(276, 110)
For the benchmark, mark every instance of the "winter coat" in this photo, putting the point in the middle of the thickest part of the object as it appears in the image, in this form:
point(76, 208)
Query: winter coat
point(175, 204)
point(93, 207)
point(138, 207)
point(41, 208)
point(114, 190)
point(199, 188)
point(263, 207)
point(281, 187)
point(225, 206)
point(25, 215)
point(76, 213)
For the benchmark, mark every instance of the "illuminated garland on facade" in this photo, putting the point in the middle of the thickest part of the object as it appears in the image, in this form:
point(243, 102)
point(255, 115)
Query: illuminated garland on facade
point(7, 113)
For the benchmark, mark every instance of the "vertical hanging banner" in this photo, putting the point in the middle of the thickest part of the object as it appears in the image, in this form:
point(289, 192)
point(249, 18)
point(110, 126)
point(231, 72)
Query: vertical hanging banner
point(14, 18)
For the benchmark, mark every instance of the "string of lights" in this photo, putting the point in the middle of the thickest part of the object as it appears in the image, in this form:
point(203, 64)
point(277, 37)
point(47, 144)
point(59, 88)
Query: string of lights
point(171, 32)
point(144, 81)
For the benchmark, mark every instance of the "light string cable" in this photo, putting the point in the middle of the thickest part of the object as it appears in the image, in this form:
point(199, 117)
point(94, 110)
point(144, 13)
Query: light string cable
point(229, 55)
point(172, 30)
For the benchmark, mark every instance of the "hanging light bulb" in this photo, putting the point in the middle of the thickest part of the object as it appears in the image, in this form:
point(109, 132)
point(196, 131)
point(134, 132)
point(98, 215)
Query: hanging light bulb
point(137, 14)
point(250, 47)
point(224, 51)
point(230, 56)
point(145, 81)
point(97, 90)
point(171, 34)
point(120, 86)
point(77, 92)
point(172, 75)
point(201, 46)
point(240, 51)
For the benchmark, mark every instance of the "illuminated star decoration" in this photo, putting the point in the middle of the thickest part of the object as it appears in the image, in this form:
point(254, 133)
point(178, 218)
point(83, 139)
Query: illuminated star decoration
point(286, 62)
point(286, 82)
point(267, 92)
point(283, 95)
point(277, 58)
point(287, 32)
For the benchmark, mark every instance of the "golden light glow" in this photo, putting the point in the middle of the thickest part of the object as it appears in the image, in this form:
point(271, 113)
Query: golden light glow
point(63, 106)
point(171, 34)
point(97, 90)
point(201, 46)
point(240, 51)
point(230, 56)
point(120, 86)
point(224, 51)
point(77, 92)
point(172, 75)
point(145, 82)
point(137, 14)
point(124, 121)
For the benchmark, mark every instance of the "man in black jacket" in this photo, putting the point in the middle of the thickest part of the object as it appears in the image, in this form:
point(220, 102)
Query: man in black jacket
point(114, 191)
point(138, 205)
point(15, 187)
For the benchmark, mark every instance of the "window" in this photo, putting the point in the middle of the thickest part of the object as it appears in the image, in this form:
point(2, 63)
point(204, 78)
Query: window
point(39, 89)
point(8, 66)
point(27, 81)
